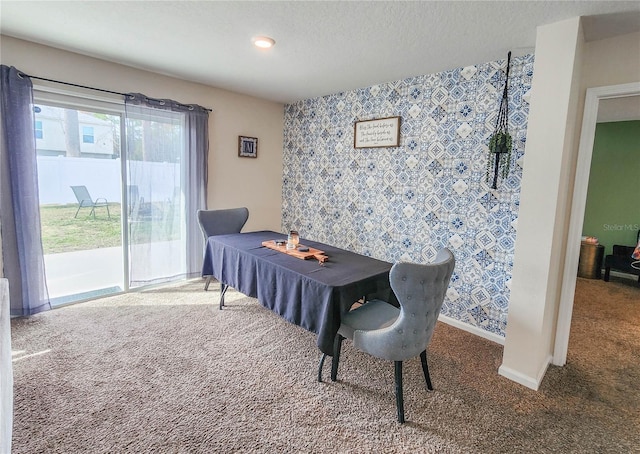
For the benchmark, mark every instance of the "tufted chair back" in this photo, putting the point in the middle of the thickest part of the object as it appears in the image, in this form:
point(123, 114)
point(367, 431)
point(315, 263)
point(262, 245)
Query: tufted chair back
point(420, 289)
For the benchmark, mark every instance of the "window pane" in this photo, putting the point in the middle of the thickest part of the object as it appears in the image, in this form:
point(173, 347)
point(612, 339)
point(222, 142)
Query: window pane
point(38, 129)
point(87, 134)
point(82, 242)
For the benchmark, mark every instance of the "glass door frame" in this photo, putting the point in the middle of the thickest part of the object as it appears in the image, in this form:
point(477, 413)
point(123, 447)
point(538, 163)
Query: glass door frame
point(80, 99)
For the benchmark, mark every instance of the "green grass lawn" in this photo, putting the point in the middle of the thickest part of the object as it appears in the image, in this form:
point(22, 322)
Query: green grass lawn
point(61, 232)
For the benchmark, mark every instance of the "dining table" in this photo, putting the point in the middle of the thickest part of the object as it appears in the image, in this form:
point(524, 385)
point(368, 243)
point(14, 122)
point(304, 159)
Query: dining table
point(308, 292)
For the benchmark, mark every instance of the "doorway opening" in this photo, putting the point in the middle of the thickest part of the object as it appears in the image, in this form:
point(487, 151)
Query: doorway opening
point(592, 102)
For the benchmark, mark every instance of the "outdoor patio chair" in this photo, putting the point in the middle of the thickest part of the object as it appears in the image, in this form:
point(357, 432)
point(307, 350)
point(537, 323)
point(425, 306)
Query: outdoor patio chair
point(85, 200)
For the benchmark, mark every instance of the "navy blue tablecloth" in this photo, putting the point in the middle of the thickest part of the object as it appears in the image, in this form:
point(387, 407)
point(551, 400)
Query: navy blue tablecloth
point(303, 292)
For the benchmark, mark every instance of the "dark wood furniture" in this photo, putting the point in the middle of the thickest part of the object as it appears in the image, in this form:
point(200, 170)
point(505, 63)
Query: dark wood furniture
point(621, 260)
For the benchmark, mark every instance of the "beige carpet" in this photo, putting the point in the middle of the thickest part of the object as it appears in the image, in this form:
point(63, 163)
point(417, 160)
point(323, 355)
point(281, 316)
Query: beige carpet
point(165, 371)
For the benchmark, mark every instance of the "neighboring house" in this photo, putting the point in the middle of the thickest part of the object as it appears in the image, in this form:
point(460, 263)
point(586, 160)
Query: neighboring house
point(82, 134)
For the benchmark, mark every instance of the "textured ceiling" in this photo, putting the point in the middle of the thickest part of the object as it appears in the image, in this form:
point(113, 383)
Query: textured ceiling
point(321, 47)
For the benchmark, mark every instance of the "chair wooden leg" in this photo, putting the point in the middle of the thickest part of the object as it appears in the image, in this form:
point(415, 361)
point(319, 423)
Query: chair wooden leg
point(399, 398)
point(337, 346)
point(425, 369)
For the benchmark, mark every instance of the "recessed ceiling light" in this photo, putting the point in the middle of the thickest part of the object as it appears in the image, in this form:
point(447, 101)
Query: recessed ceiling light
point(263, 42)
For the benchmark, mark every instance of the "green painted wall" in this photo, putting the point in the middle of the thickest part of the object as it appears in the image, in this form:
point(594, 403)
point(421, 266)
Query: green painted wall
point(612, 211)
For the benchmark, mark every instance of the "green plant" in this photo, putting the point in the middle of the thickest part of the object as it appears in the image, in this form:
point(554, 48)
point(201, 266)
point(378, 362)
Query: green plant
point(500, 143)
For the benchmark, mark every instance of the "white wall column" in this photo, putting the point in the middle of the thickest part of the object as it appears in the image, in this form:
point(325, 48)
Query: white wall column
point(543, 216)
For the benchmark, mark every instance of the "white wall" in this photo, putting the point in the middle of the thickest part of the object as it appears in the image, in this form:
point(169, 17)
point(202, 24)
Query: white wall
point(542, 223)
point(611, 61)
point(233, 181)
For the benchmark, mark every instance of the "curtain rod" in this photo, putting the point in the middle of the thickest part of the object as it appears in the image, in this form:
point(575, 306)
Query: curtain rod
point(20, 74)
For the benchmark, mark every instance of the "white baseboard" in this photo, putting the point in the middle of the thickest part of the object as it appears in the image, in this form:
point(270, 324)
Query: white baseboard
point(471, 329)
point(507, 372)
point(525, 380)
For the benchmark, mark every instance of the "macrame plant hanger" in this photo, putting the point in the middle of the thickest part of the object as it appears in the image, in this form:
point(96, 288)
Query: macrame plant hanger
point(501, 142)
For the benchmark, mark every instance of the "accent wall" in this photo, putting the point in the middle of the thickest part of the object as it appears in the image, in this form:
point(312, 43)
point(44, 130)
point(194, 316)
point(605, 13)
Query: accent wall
point(405, 203)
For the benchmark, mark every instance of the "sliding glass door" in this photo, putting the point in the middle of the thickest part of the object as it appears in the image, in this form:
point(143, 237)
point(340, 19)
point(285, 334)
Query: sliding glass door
point(111, 194)
point(79, 180)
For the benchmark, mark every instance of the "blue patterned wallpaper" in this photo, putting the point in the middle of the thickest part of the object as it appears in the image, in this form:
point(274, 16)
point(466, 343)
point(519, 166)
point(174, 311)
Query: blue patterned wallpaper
point(407, 202)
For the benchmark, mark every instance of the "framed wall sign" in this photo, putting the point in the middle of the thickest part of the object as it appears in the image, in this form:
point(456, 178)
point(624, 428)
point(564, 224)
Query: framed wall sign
point(247, 147)
point(381, 132)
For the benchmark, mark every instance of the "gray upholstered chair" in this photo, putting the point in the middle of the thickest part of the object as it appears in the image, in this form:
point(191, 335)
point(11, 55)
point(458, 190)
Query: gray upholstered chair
point(221, 222)
point(398, 334)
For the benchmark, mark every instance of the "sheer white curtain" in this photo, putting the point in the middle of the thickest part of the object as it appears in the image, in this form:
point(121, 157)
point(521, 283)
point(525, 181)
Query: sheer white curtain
point(167, 147)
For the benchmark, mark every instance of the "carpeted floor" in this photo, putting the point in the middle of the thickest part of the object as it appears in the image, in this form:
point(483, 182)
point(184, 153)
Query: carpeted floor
point(164, 371)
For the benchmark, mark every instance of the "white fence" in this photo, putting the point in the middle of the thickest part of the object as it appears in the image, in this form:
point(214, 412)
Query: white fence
point(102, 177)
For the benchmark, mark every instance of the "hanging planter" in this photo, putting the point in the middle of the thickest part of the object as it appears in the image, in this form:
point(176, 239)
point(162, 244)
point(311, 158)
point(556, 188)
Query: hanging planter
point(500, 143)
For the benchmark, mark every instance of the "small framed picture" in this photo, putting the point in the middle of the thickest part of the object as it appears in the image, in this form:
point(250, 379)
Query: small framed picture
point(247, 147)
